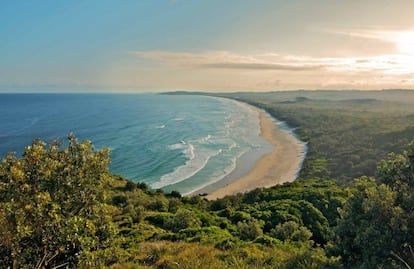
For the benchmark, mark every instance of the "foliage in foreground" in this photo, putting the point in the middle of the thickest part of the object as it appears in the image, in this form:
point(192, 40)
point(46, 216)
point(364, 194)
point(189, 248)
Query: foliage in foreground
point(51, 207)
point(61, 207)
point(377, 220)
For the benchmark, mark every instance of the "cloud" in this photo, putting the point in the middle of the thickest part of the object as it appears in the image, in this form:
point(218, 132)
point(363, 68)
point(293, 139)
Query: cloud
point(386, 64)
point(224, 70)
point(229, 60)
point(385, 36)
point(187, 58)
point(264, 66)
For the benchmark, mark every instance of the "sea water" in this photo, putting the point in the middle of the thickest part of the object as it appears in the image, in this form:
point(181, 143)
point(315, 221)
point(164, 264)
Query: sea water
point(172, 142)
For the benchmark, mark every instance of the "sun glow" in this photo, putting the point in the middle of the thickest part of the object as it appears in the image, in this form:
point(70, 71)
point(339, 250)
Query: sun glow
point(405, 42)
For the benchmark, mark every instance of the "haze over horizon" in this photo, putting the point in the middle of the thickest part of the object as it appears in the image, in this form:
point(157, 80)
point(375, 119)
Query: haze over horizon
point(140, 46)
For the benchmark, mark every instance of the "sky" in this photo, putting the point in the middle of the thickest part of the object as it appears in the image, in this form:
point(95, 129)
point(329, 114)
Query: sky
point(211, 45)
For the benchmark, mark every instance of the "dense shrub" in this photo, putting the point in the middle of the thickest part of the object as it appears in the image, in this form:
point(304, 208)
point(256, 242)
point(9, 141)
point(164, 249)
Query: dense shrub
point(52, 209)
point(182, 219)
point(249, 230)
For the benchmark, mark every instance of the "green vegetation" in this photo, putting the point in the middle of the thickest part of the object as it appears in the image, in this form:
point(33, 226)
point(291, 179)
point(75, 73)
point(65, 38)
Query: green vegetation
point(375, 229)
point(61, 208)
point(52, 207)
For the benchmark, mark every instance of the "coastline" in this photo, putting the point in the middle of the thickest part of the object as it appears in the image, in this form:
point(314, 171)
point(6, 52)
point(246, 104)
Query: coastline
point(281, 165)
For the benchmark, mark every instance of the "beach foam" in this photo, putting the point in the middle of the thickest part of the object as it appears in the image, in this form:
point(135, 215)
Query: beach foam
point(234, 146)
point(197, 159)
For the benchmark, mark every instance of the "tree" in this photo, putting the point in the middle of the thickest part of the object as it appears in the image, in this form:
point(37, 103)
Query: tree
point(368, 225)
point(52, 210)
point(376, 225)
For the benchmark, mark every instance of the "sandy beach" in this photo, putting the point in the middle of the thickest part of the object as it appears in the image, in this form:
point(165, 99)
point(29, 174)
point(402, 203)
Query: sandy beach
point(277, 167)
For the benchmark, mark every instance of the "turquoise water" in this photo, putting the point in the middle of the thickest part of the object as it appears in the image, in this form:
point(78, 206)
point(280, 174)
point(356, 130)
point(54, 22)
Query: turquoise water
point(171, 142)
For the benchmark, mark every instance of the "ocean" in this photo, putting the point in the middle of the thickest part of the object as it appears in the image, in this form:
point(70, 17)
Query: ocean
point(170, 142)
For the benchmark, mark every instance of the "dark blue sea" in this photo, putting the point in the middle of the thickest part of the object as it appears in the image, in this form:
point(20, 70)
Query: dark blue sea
point(173, 142)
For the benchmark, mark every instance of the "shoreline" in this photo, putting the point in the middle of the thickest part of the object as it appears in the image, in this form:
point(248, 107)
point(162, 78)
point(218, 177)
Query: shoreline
point(281, 165)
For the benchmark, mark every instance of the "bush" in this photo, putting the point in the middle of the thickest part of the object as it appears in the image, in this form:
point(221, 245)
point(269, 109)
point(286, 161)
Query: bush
point(130, 186)
point(136, 213)
point(142, 186)
point(160, 204)
point(119, 200)
point(183, 219)
point(52, 209)
point(249, 230)
point(291, 231)
point(158, 219)
point(240, 216)
point(175, 194)
point(173, 204)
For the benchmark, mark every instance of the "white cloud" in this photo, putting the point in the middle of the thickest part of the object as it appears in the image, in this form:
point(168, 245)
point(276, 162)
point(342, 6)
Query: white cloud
point(386, 64)
point(228, 60)
point(223, 70)
point(187, 58)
